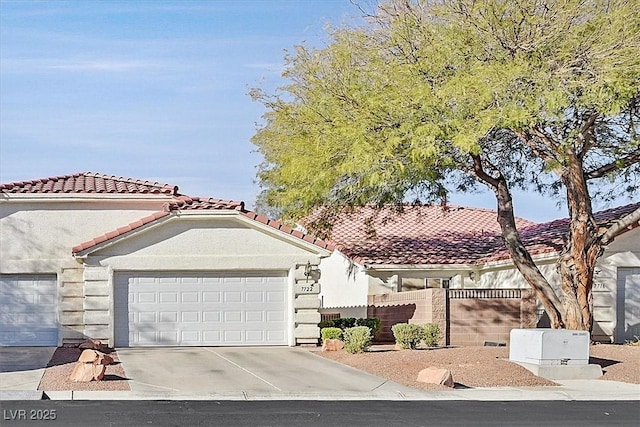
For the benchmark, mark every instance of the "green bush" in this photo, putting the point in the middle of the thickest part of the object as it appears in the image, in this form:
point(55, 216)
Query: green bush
point(344, 322)
point(431, 334)
point(326, 324)
point(331, 333)
point(372, 323)
point(407, 335)
point(357, 339)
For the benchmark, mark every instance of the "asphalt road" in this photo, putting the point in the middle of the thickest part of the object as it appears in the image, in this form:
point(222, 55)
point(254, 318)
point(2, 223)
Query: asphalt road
point(319, 413)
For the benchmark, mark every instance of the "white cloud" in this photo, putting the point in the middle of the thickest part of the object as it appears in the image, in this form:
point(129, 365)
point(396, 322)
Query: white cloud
point(102, 65)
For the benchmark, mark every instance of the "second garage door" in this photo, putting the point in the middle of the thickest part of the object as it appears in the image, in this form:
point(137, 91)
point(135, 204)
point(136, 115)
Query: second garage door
point(28, 310)
point(213, 309)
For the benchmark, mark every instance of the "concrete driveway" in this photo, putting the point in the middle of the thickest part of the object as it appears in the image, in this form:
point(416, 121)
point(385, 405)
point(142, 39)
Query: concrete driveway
point(248, 372)
point(21, 368)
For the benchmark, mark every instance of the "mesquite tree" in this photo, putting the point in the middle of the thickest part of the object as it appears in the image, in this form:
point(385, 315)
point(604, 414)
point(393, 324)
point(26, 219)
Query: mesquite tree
point(430, 97)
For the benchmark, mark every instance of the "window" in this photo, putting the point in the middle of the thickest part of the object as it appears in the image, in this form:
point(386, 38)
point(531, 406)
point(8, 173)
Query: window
point(415, 283)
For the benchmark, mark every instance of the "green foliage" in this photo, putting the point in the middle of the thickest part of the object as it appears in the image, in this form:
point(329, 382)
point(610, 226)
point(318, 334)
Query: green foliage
point(396, 108)
point(326, 324)
point(344, 322)
point(331, 333)
point(431, 97)
point(407, 335)
point(372, 323)
point(357, 339)
point(431, 334)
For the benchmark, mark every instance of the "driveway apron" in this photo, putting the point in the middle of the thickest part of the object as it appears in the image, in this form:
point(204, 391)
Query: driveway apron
point(248, 370)
point(21, 368)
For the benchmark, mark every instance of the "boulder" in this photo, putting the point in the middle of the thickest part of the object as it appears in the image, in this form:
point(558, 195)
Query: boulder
point(86, 372)
point(436, 376)
point(94, 345)
point(91, 366)
point(332, 345)
point(95, 357)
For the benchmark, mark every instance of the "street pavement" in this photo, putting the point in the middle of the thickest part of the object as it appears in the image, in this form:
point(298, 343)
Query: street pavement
point(319, 413)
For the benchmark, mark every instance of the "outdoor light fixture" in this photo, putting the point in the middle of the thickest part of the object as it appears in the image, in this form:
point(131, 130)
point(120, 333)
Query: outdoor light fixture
point(307, 270)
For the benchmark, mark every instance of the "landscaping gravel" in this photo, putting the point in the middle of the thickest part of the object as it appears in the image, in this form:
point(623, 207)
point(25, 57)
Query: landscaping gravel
point(479, 366)
point(56, 375)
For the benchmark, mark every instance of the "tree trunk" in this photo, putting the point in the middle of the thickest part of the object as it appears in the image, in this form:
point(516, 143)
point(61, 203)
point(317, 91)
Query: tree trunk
point(577, 261)
point(519, 254)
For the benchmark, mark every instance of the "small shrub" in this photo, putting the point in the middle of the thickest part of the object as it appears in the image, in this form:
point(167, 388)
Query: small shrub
point(372, 323)
point(407, 335)
point(331, 333)
point(431, 334)
point(357, 339)
point(344, 322)
point(326, 324)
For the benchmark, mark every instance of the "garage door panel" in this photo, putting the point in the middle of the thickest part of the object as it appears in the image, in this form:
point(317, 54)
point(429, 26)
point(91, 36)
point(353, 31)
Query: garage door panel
point(28, 310)
point(209, 309)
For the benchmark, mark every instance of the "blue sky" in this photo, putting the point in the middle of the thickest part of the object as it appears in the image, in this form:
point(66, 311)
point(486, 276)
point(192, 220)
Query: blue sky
point(156, 89)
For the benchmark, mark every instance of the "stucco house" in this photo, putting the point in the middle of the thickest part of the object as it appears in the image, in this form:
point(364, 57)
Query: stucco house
point(136, 263)
point(426, 247)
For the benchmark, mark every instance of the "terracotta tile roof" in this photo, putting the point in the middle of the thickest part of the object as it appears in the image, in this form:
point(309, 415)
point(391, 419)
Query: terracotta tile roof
point(417, 235)
point(549, 237)
point(88, 182)
point(425, 235)
point(185, 203)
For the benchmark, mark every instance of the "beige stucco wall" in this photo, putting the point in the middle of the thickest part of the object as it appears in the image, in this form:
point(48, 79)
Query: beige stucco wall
point(37, 236)
point(208, 242)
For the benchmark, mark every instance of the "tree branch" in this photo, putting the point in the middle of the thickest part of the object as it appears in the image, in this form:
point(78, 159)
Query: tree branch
point(586, 135)
point(633, 157)
point(620, 225)
point(479, 171)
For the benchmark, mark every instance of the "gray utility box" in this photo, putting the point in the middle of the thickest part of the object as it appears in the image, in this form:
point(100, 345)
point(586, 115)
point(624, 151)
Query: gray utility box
point(549, 346)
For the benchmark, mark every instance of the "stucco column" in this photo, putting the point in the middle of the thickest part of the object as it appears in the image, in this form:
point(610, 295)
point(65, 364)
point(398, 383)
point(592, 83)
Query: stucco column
point(306, 305)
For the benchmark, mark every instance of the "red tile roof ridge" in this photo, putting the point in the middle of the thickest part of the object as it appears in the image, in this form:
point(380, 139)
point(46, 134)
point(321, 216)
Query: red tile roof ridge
point(88, 182)
point(183, 202)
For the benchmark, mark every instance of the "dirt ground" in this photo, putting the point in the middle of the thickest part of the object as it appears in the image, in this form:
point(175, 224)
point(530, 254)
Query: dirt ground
point(56, 376)
point(480, 366)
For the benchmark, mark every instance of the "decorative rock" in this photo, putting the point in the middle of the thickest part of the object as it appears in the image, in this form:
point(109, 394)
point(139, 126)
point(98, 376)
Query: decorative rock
point(94, 345)
point(86, 372)
point(95, 357)
point(436, 376)
point(332, 345)
point(91, 366)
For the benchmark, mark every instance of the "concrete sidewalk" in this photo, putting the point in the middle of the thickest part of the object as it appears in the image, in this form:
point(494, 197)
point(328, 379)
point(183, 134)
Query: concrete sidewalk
point(570, 390)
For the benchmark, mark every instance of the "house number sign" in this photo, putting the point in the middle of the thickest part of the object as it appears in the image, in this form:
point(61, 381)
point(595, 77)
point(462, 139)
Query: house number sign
point(307, 288)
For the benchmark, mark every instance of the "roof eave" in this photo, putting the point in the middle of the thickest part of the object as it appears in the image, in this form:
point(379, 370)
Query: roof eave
point(83, 254)
point(413, 267)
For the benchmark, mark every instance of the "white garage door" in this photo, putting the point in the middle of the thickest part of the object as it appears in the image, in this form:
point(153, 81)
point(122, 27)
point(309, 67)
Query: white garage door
point(28, 310)
point(628, 304)
point(216, 309)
